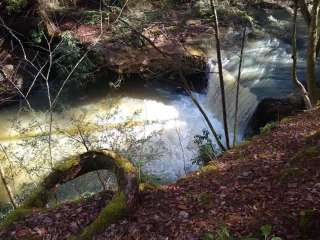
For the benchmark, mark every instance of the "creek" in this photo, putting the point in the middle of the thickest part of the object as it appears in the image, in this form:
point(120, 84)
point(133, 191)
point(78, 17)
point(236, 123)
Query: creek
point(154, 126)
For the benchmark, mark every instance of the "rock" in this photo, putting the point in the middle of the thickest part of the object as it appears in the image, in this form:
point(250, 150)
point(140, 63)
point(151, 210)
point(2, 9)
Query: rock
point(272, 110)
point(317, 185)
point(183, 214)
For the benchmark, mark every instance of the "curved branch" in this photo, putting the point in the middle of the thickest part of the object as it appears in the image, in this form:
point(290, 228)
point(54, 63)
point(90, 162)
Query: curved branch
point(123, 202)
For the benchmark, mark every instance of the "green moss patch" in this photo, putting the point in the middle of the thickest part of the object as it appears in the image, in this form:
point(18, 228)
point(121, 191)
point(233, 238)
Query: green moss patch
point(38, 199)
point(67, 164)
point(116, 209)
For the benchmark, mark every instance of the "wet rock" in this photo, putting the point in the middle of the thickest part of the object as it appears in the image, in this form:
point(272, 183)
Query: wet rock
point(272, 110)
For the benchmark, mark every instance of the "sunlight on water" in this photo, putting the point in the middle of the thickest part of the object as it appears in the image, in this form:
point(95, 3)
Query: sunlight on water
point(171, 123)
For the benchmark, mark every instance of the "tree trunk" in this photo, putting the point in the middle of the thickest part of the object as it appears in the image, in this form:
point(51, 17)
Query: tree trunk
point(235, 127)
point(122, 202)
point(311, 54)
point(299, 86)
point(194, 100)
point(219, 58)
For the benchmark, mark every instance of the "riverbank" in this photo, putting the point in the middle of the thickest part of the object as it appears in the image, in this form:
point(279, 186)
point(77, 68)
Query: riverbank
point(149, 41)
point(271, 180)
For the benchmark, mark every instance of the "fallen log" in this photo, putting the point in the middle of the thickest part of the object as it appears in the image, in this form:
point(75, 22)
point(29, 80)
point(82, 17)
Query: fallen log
point(124, 201)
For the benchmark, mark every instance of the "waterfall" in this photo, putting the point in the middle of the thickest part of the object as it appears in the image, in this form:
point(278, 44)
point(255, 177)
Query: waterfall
point(265, 73)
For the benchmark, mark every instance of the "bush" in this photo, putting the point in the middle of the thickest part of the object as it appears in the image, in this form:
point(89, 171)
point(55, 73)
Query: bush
point(69, 52)
point(207, 151)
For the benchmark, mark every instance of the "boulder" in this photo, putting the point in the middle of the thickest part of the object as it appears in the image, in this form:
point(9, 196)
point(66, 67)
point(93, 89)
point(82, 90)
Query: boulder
point(273, 110)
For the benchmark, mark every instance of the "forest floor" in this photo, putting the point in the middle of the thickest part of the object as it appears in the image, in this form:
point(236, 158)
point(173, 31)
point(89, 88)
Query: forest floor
point(274, 179)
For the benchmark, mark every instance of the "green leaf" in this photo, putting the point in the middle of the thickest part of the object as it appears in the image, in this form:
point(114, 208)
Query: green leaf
point(208, 236)
point(276, 238)
point(266, 230)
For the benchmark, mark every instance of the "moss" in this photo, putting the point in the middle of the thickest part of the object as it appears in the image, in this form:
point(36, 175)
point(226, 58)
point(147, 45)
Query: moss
point(67, 164)
point(147, 186)
point(14, 216)
point(122, 162)
point(211, 167)
point(38, 199)
point(115, 210)
point(286, 120)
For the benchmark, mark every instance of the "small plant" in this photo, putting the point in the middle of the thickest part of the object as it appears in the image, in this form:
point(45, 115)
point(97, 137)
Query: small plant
point(37, 35)
point(266, 231)
point(207, 151)
point(221, 234)
point(268, 127)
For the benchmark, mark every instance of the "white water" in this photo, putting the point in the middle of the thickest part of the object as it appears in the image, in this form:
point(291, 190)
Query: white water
point(265, 73)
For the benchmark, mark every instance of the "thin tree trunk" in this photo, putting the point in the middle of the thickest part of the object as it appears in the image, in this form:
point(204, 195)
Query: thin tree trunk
point(7, 187)
point(219, 58)
point(194, 100)
point(311, 57)
point(295, 79)
point(235, 127)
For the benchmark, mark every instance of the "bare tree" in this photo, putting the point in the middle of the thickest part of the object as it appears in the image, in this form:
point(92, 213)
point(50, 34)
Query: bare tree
point(197, 104)
point(235, 126)
point(219, 58)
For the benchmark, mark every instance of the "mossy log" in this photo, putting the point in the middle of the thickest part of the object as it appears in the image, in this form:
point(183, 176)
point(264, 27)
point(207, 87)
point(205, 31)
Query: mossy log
point(76, 166)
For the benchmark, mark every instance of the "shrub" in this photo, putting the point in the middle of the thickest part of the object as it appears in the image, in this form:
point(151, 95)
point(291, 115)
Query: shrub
point(207, 151)
point(69, 52)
